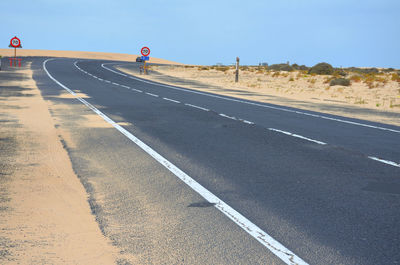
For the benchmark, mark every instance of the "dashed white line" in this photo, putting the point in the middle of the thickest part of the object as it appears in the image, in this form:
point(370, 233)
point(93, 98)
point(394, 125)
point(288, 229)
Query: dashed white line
point(297, 136)
point(137, 90)
point(261, 105)
point(114, 83)
point(246, 121)
point(176, 101)
point(125, 86)
point(266, 240)
point(197, 107)
point(229, 117)
point(153, 95)
point(385, 161)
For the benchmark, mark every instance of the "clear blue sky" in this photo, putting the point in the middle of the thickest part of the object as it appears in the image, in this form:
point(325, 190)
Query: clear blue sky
point(340, 32)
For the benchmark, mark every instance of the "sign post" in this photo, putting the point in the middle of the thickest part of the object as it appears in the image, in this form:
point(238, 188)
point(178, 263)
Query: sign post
point(145, 51)
point(15, 43)
point(237, 70)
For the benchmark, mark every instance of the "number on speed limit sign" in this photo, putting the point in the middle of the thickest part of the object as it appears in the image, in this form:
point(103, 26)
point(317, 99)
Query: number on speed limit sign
point(145, 51)
point(15, 42)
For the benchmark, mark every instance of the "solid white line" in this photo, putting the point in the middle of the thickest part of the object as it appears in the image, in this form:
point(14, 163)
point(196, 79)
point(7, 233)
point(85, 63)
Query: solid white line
point(102, 65)
point(296, 135)
point(176, 101)
point(262, 105)
point(153, 95)
point(274, 246)
point(197, 107)
point(385, 161)
point(226, 116)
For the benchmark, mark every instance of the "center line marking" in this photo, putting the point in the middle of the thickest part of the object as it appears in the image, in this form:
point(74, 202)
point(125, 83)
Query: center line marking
point(226, 116)
point(266, 240)
point(385, 161)
point(176, 101)
point(153, 95)
point(197, 107)
point(297, 136)
point(258, 104)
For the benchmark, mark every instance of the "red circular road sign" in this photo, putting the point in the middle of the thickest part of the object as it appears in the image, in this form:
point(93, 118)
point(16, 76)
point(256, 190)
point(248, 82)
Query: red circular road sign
point(145, 51)
point(15, 42)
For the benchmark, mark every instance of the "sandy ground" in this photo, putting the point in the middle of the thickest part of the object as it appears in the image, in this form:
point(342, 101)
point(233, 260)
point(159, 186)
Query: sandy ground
point(295, 89)
point(45, 216)
point(79, 54)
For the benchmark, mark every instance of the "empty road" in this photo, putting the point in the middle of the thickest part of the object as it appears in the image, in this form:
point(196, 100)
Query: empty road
point(177, 176)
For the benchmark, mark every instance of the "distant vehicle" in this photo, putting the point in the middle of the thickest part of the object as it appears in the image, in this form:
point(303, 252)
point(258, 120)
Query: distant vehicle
point(139, 59)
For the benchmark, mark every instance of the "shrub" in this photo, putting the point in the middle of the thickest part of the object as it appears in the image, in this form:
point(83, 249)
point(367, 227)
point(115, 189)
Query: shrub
point(276, 74)
point(395, 77)
point(281, 67)
point(340, 82)
point(303, 68)
point(291, 79)
point(339, 72)
point(321, 69)
point(222, 68)
point(356, 78)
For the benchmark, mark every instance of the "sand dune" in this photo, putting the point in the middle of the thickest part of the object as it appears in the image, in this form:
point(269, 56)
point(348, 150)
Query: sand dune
point(83, 55)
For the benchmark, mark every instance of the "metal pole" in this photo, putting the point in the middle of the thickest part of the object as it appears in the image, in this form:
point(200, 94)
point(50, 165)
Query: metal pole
point(15, 57)
point(237, 70)
point(144, 68)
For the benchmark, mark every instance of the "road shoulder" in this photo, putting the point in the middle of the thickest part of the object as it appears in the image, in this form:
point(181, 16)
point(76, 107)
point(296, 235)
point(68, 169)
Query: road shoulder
point(46, 218)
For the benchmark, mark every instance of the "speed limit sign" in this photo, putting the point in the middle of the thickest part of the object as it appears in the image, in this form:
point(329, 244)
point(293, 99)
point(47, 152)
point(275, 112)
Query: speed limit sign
point(145, 51)
point(15, 42)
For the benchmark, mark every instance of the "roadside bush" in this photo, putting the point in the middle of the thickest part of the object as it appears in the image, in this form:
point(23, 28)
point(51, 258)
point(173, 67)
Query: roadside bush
point(356, 78)
point(339, 72)
point(281, 67)
point(363, 70)
point(340, 82)
point(304, 68)
point(321, 69)
point(222, 68)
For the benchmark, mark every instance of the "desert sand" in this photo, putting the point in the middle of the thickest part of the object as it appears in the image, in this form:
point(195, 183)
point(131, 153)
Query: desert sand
point(46, 218)
point(79, 54)
point(381, 103)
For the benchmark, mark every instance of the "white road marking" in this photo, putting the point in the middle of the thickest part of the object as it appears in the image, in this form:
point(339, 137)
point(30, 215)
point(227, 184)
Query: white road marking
point(125, 86)
point(385, 161)
point(245, 121)
point(197, 107)
point(261, 105)
point(274, 246)
point(137, 90)
point(296, 135)
point(176, 101)
point(114, 71)
point(226, 116)
point(153, 95)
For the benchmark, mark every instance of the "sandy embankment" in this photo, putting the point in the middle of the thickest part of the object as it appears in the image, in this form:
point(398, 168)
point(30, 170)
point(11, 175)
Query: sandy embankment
point(80, 54)
point(294, 89)
point(45, 216)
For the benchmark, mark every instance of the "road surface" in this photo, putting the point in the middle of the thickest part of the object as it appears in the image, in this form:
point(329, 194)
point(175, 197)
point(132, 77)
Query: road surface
point(186, 177)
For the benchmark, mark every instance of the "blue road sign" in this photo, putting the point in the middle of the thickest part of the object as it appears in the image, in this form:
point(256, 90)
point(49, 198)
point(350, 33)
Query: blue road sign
point(145, 58)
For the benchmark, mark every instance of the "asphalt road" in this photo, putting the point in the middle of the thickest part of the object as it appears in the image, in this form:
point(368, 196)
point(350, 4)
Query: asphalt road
point(305, 178)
